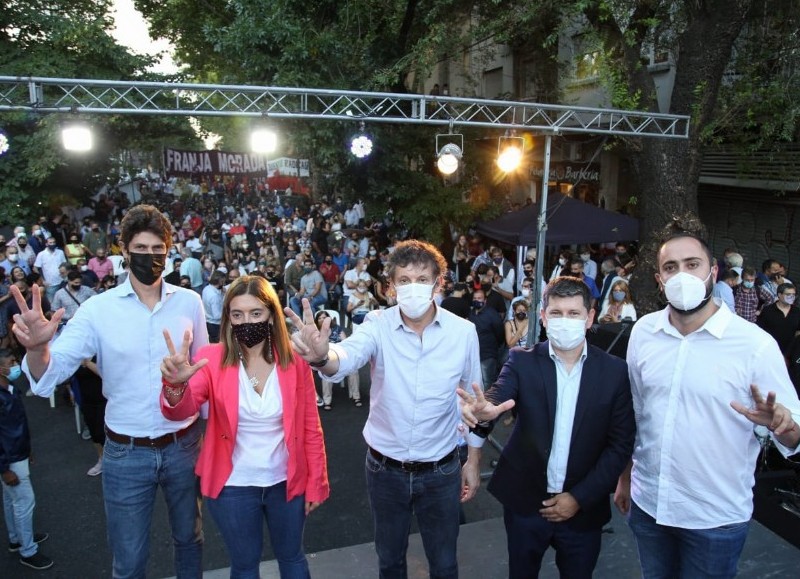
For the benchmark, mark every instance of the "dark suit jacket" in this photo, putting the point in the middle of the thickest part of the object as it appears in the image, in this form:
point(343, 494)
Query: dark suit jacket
point(602, 435)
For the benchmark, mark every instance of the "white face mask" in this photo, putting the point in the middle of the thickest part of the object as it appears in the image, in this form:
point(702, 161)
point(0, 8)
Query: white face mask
point(562, 261)
point(414, 299)
point(566, 333)
point(526, 292)
point(685, 292)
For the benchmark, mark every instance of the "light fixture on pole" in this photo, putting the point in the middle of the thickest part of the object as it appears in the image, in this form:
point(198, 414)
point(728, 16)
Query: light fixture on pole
point(361, 144)
point(3, 143)
point(509, 152)
point(77, 137)
point(449, 155)
point(263, 139)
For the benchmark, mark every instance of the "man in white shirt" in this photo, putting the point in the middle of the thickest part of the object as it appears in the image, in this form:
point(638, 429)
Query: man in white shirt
point(419, 354)
point(47, 263)
point(143, 450)
point(697, 372)
point(213, 297)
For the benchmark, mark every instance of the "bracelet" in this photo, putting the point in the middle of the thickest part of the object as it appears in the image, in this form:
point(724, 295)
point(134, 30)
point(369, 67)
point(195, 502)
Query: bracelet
point(173, 389)
point(320, 363)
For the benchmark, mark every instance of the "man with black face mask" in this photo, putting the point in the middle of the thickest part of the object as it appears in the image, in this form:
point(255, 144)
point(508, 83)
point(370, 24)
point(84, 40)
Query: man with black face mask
point(143, 450)
point(699, 378)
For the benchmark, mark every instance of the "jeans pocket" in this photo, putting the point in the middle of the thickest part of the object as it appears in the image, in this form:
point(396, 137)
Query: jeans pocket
point(114, 450)
point(373, 465)
point(450, 468)
point(190, 442)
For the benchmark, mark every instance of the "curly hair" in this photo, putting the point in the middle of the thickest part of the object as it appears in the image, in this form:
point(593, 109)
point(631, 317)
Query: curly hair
point(145, 218)
point(416, 252)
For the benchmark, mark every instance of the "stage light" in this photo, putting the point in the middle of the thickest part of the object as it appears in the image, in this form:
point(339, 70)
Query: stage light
point(263, 140)
point(449, 151)
point(3, 143)
point(77, 138)
point(509, 153)
point(361, 144)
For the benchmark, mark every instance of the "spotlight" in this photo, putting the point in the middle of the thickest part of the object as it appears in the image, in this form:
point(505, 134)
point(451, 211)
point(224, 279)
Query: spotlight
point(361, 144)
point(77, 138)
point(263, 140)
point(3, 143)
point(509, 153)
point(449, 155)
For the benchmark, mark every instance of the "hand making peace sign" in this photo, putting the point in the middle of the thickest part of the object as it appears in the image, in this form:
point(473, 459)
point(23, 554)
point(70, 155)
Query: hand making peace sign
point(310, 342)
point(177, 367)
point(31, 328)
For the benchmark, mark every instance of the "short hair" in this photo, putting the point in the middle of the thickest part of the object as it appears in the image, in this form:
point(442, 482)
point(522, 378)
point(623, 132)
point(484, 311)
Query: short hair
point(216, 277)
point(767, 263)
point(258, 287)
point(575, 260)
point(785, 286)
point(416, 252)
point(749, 271)
point(141, 218)
point(566, 287)
point(73, 275)
point(6, 353)
point(686, 235)
point(734, 260)
point(730, 274)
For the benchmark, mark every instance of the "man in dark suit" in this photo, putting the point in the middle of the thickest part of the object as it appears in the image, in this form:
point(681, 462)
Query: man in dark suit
point(573, 436)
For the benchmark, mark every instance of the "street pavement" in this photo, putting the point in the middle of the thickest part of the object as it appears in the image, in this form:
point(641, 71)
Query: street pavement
point(338, 534)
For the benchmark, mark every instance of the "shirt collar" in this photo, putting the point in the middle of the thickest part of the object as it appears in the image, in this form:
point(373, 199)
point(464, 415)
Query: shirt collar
point(554, 356)
point(125, 289)
point(398, 322)
point(715, 325)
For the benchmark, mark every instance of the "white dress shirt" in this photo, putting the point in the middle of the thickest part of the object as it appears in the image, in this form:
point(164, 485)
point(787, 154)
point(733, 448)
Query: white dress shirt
point(48, 262)
point(569, 385)
point(414, 409)
point(128, 341)
point(212, 303)
point(694, 457)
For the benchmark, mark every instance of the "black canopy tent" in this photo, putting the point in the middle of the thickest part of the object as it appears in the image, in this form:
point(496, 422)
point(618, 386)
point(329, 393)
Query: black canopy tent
point(568, 221)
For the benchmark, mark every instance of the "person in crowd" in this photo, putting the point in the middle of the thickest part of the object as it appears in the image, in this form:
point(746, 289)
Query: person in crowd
point(264, 453)
point(15, 453)
point(174, 276)
point(93, 408)
point(689, 505)
point(332, 275)
point(107, 283)
point(589, 265)
point(74, 250)
point(767, 283)
point(193, 268)
point(459, 301)
point(213, 296)
point(418, 355)
point(489, 326)
point(141, 452)
point(781, 319)
point(72, 296)
point(723, 289)
point(215, 246)
point(574, 268)
point(619, 305)
point(745, 296)
point(47, 263)
point(517, 327)
point(13, 260)
point(561, 263)
point(360, 303)
point(88, 277)
point(487, 280)
point(27, 252)
point(505, 274)
point(100, 265)
point(312, 287)
point(338, 333)
point(95, 239)
point(573, 437)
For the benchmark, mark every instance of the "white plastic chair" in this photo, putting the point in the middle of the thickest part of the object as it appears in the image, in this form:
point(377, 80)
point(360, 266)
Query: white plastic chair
point(333, 314)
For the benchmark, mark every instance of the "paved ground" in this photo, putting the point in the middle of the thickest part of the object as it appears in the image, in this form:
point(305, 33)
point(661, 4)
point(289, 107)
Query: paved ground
point(338, 535)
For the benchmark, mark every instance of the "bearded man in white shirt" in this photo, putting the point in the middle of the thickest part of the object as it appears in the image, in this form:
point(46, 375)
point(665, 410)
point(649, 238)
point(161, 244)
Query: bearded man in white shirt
point(418, 354)
point(697, 372)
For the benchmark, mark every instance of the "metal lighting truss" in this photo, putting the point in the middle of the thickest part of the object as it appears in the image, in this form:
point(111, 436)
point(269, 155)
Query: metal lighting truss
point(61, 95)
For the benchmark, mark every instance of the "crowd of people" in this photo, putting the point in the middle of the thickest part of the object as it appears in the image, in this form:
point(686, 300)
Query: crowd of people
point(216, 284)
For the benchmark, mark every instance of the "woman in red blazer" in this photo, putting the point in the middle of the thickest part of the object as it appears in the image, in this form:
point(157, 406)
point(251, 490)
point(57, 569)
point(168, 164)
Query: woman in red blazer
point(263, 454)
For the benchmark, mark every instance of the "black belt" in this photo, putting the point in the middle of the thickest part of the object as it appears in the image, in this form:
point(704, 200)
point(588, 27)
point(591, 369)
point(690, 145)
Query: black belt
point(412, 466)
point(158, 442)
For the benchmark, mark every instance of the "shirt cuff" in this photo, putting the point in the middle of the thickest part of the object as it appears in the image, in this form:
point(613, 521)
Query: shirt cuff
point(475, 441)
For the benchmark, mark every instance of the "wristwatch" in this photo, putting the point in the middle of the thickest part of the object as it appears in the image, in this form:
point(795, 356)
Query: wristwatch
point(320, 363)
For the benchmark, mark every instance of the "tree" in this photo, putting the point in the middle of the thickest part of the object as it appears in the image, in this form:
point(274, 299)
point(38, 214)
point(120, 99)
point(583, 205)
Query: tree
point(67, 39)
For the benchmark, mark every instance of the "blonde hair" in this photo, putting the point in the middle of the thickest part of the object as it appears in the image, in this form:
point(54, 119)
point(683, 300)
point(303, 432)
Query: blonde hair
point(279, 343)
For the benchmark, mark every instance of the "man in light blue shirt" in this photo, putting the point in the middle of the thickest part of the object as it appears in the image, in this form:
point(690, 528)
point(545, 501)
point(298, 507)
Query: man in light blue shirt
point(124, 328)
point(419, 354)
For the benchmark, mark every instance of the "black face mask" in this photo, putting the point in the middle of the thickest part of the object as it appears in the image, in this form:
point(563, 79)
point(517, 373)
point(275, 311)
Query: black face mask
point(147, 267)
point(521, 315)
point(251, 334)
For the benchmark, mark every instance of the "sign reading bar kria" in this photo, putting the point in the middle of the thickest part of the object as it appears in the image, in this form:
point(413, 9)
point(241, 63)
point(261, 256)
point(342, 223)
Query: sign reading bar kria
point(186, 163)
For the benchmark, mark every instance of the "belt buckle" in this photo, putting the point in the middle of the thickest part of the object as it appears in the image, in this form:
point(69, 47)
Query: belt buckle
point(410, 466)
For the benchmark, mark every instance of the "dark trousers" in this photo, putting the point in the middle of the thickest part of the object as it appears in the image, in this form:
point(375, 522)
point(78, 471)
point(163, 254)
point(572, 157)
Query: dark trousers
point(213, 333)
point(529, 537)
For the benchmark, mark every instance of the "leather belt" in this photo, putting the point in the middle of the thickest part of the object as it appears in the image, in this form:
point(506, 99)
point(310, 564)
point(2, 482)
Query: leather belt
point(412, 466)
point(158, 442)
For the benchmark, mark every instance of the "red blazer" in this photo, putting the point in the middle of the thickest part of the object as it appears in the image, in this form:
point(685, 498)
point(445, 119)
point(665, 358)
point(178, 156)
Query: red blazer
point(307, 471)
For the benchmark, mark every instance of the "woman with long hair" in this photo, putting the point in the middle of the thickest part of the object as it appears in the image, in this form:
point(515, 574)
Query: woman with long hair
point(619, 304)
point(517, 326)
point(264, 454)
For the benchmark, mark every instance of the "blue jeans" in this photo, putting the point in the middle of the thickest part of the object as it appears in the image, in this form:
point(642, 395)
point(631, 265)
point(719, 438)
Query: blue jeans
point(18, 504)
point(297, 305)
point(131, 477)
point(530, 535)
point(488, 371)
point(239, 513)
point(666, 552)
point(434, 495)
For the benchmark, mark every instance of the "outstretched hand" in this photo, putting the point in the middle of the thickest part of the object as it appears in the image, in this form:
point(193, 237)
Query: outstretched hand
point(776, 417)
point(477, 409)
point(177, 367)
point(31, 328)
point(310, 342)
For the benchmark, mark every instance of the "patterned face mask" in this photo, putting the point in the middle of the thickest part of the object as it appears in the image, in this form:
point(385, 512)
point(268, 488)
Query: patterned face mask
point(251, 334)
